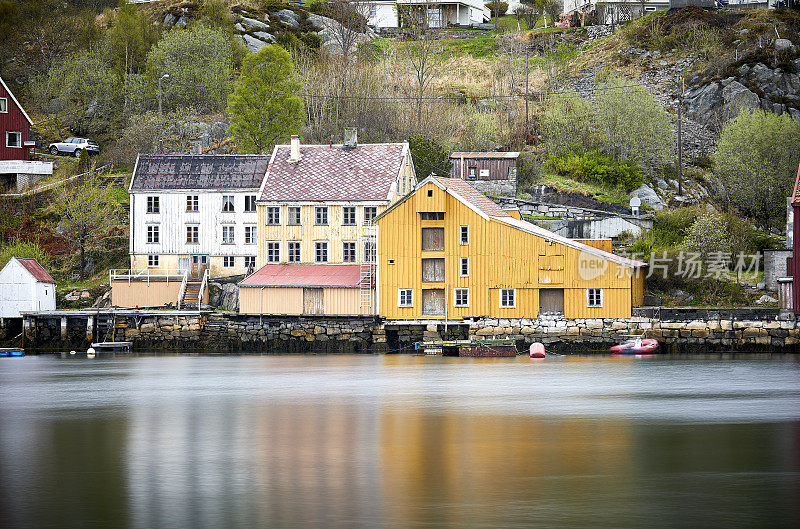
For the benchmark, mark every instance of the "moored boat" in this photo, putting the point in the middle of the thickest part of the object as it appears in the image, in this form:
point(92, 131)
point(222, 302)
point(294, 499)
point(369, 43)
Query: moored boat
point(636, 346)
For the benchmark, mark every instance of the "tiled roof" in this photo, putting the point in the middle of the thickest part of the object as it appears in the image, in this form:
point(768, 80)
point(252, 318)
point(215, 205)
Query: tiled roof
point(36, 270)
point(332, 173)
point(199, 171)
point(305, 275)
point(457, 155)
point(473, 196)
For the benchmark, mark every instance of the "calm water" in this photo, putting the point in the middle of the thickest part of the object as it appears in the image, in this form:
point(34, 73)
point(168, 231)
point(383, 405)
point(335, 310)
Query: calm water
point(399, 441)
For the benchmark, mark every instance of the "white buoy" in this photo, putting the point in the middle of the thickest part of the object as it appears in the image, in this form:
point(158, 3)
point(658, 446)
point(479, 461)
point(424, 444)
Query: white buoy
point(72, 352)
point(90, 352)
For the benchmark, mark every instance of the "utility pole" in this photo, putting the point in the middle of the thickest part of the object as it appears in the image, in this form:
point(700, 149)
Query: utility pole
point(527, 125)
point(165, 76)
point(680, 140)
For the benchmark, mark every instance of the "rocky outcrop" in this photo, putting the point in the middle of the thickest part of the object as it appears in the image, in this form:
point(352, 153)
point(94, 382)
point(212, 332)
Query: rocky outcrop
point(224, 296)
point(648, 195)
point(328, 31)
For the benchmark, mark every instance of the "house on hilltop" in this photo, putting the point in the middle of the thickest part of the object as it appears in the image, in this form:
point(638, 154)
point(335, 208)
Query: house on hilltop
point(17, 170)
point(316, 245)
point(448, 252)
point(397, 13)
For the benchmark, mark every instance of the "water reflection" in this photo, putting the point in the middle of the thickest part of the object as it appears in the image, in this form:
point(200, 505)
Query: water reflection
point(399, 441)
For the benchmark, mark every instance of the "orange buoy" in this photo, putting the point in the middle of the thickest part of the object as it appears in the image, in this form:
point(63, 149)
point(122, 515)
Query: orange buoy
point(537, 350)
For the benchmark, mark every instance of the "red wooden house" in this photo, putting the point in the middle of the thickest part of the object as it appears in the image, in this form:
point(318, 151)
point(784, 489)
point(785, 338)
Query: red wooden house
point(17, 170)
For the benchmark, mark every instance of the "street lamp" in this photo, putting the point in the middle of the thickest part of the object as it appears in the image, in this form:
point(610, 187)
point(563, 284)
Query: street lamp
point(165, 76)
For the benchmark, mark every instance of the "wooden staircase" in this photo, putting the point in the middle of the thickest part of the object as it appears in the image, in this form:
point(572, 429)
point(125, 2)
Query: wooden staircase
point(190, 295)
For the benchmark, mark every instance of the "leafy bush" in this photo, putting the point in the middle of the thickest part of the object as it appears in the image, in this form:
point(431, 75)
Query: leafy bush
point(429, 157)
point(594, 167)
point(707, 234)
point(671, 226)
point(498, 8)
point(567, 124)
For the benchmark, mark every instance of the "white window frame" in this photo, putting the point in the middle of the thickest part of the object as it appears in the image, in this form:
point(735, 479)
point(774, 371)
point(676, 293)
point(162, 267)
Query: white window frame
point(3, 105)
point(294, 248)
point(463, 261)
point(463, 230)
point(319, 212)
point(321, 246)
point(294, 213)
point(192, 203)
point(250, 234)
point(347, 218)
point(152, 261)
point(513, 295)
point(345, 250)
point(195, 230)
point(249, 203)
point(153, 205)
point(456, 291)
point(400, 292)
point(231, 232)
point(599, 292)
point(273, 215)
point(370, 212)
point(273, 251)
point(226, 201)
point(8, 136)
point(228, 261)
point(153, 234)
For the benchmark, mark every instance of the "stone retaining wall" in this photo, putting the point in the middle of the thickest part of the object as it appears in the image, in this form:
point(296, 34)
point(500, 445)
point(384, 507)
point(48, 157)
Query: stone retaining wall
point(223, 333)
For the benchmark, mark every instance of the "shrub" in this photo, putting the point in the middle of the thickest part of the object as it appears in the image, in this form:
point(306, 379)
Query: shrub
point(20, 248)
point(707, 234)
point(497, 7)
point(591, 166)
point(567, 124)
point(671, 226)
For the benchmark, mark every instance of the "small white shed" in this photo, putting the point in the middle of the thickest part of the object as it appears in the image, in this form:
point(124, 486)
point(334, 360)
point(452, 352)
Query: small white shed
point(25, 286)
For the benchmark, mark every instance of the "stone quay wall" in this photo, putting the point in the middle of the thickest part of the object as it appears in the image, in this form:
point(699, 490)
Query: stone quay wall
point(710, 331)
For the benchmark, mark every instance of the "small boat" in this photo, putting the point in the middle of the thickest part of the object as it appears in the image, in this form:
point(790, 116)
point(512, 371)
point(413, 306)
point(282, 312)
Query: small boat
point(11, 351)
point(636, 346)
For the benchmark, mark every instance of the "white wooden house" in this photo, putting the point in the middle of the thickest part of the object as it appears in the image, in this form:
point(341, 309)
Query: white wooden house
point(25, 286)
point(437, 14)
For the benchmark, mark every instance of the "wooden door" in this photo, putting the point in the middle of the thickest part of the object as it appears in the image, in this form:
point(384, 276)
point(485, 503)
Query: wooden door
point(199, 266)
point(433, 269)
point(433, 302)
point(433, 238)
point(551, 300)
point(313, 301)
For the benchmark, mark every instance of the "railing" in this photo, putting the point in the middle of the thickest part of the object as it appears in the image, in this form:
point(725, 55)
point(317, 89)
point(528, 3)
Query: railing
point(48, 186)
point(202, 289)
point(147, 274)
point(182, 289)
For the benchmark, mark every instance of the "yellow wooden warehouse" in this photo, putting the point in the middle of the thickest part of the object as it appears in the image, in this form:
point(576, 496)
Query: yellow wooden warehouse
point(447, 252)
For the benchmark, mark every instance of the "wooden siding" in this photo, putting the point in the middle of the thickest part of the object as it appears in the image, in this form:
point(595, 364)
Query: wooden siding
point(601, 244)
point(289, 301)
point(498, 168)
point(637, 288)
point(142, 294)
point(500, 256)
point(13, 121)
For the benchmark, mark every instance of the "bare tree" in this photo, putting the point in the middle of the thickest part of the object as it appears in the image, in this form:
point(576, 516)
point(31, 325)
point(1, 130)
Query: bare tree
point(424, 54)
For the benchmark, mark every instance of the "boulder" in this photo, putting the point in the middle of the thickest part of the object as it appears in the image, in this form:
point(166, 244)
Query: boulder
point(737, 97)
point(253, 44)
point(329, 30)
point(766, 299)
point(169, 20)
point(223, 296)
point(252, 23)
point(701, 102)
point(182, 22)
point(649, 197)
point(288, 18)
point(796, 65)
point(784, 45)
point(266, 37)
point(239, 27)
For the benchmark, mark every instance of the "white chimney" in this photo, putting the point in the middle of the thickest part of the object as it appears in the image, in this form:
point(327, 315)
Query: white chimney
point(350, 138)
point(294, 151)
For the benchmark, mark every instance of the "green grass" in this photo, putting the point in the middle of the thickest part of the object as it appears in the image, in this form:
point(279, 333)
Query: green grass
point(479, 47)
point(600, 193)
point(539, 217)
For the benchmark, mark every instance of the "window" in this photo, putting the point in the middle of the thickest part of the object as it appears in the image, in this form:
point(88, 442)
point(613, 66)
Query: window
point(249, 203)
point(461, 297)
point(250, 234)
point(152, 234)
point(249, 261)
point(348, 216)
point(227, 203)
point(430, 192)
point(274, 215)
point(508, 298)
point(405, 297)
point(465, 267)
point(432, 215)
point(228, 261)
point(192, 203)
point(370, 212)
point(369, 251)
point(273, 252)
point(433, 238)
point(152, 260)
point(471, 173)
point(3, 105)
point(192, 234)
point(321, 251)
point(464, 234)
point(321, 215)
point(433, 269)
point(294, 216)
point(294, 251)
point(13, 139)
point(373, 10)
point(594, 297)
point(348, 252)
point(153, 205)
point(227, 235)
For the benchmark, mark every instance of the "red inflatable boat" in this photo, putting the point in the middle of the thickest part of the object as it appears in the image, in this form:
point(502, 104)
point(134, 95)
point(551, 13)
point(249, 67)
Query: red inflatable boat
point(636, 346)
